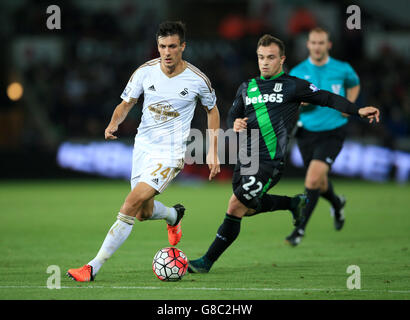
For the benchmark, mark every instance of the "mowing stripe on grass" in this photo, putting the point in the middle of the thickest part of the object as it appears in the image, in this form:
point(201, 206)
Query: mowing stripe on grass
point(206, 288)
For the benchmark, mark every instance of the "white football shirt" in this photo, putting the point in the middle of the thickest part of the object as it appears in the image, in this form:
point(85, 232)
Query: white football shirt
point(168, 108)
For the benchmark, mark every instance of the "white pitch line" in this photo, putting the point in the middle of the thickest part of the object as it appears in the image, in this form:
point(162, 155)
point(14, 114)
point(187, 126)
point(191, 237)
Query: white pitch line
point(207, 288)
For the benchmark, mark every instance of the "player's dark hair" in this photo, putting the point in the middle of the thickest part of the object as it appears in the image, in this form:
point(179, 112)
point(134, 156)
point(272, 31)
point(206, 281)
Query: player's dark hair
point(170, 28)
point(266, 40)
point(320, 30)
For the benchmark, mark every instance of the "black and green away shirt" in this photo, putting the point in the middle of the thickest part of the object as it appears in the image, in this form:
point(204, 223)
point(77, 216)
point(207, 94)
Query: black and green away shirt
point(272, 107)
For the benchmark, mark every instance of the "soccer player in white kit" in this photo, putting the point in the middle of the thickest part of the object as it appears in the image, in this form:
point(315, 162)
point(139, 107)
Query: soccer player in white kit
point(171, 88)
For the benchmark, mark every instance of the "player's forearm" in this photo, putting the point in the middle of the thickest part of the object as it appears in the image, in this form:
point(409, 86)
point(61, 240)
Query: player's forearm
point(121, 112)
point(213, 128)
point(341, 104)
point(328, 99)
point(352, 93)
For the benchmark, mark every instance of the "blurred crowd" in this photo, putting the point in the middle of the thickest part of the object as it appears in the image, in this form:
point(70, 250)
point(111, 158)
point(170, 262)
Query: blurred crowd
point(78, 96)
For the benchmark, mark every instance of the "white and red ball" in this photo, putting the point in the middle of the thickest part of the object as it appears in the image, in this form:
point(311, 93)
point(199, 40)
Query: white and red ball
point(170, 264)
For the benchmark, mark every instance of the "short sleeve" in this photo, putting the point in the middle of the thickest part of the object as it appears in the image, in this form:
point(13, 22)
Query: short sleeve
point(352, 79)
point(207, 94)
point(134, 87)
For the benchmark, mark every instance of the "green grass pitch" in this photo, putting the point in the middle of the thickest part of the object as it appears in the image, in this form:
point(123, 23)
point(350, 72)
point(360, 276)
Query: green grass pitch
point(63, 223)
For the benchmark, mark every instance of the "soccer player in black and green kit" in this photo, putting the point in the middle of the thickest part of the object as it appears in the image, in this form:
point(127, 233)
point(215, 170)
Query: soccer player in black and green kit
point(269, 103)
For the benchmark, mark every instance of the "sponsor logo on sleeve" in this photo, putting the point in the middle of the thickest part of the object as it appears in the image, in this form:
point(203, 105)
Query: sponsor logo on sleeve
point(126, 91)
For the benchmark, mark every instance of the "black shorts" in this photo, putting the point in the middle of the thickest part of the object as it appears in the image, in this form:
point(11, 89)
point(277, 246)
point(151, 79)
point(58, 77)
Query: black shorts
point(249, 189)
point(321, 145)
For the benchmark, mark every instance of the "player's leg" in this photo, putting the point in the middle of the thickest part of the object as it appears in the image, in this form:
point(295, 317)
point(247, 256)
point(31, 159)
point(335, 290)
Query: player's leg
point(316, 171)
point(271, 202)
point(247, 193)
point(319, 150)
point(119, 232)
point(227, 233)
point(307, 142)
point(316, 177)
point(158, 174)
point(172, 215)
point(337, 202)
point(328, 153)
point(335, 145)
point(162, 212)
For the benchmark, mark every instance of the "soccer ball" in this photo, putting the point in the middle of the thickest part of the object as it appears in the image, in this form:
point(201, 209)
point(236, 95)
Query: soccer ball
point(170, 264)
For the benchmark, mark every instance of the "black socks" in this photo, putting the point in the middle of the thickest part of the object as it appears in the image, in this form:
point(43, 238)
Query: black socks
point(313, 197)
point(226, 235)
point(331, 196)
point(270, 202)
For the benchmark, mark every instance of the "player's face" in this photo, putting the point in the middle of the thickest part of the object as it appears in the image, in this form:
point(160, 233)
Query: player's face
point(318, 45)
point(170, 49)
point(269, 60)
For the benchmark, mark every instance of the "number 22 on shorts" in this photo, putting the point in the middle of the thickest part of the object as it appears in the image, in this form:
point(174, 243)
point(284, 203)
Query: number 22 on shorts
point(252, 193)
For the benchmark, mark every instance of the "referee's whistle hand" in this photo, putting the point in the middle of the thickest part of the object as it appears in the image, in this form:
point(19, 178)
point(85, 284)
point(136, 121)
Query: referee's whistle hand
point(240, 124)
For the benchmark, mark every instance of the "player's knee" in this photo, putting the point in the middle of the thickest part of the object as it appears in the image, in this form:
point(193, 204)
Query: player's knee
point(314, 180)
point(236, 207)
point(234, 203)
point(323, 185)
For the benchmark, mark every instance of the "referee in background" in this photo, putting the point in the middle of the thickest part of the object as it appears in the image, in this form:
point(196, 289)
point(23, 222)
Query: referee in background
point(322, 131)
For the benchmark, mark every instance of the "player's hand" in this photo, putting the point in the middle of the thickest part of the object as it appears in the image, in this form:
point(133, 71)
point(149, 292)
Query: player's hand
point(213, 164)
point(370, 112)
point(240, 124)
point(109, 132)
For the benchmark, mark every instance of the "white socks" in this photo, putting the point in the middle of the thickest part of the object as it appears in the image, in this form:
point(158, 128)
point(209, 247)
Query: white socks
point(162, 212)
point(121, 229)
point(118, 233)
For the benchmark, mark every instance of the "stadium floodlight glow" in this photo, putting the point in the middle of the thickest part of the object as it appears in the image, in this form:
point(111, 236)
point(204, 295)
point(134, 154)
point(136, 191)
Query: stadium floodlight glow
point(15, 91)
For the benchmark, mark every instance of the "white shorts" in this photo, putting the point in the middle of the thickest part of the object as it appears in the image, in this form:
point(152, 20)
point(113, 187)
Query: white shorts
point(154, 171)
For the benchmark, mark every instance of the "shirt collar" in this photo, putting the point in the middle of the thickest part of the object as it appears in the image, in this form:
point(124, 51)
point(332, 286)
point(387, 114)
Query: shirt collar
point(311, 62)
point(273, 77)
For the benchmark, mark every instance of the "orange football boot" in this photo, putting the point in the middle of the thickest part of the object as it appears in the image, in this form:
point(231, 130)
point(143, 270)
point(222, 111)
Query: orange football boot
point(83, 274)
point(174, 231)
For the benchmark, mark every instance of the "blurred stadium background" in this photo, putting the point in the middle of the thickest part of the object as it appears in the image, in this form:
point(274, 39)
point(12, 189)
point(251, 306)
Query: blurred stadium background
point(60, 86)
